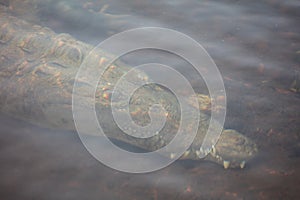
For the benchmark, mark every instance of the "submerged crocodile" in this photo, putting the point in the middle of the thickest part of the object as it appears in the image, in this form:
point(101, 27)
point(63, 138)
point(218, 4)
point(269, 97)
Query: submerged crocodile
point(37, 73)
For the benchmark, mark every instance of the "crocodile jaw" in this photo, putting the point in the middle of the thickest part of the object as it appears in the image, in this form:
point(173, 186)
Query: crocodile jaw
point(232, 150)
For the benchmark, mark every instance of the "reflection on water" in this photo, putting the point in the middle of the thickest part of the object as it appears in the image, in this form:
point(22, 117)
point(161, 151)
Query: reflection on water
point(257, 49)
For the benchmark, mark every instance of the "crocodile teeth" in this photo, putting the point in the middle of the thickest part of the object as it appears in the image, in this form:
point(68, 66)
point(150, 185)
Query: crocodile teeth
point(186, 153)
point(242, 165)
point(226, 164)
point(206, 151)
point(213, 151)
point(201, 150)
point(172, 155)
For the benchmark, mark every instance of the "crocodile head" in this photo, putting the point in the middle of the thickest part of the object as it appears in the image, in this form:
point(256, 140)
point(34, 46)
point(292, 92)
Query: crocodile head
point(232, 150)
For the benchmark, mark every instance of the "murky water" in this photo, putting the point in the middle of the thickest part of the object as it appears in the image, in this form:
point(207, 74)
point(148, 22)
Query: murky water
point(255, 44)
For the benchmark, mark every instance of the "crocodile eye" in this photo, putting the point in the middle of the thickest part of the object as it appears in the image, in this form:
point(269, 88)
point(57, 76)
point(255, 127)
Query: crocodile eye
point(74, 54)
point(68, 55)
point(239, 141)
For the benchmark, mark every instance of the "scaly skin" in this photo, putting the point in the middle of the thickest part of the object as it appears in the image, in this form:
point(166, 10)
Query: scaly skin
point(37, 73)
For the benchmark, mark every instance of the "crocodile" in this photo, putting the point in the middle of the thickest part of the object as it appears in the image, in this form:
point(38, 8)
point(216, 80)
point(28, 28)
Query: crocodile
point(37, 73)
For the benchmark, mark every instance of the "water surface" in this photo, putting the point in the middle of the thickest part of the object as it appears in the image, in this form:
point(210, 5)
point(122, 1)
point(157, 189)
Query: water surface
point(256, 46)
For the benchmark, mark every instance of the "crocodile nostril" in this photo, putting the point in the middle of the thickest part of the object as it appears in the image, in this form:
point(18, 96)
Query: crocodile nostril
point(239, 141)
